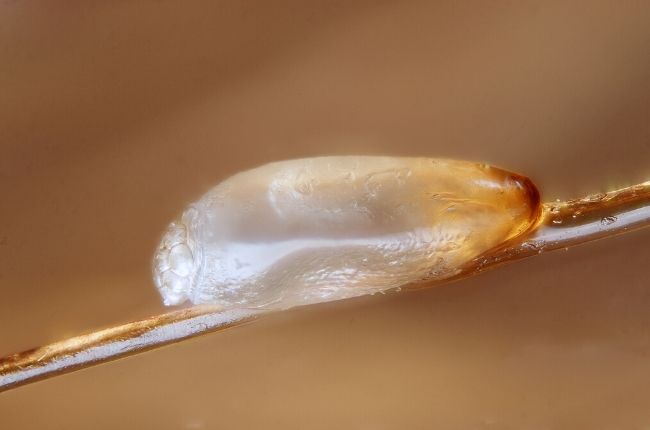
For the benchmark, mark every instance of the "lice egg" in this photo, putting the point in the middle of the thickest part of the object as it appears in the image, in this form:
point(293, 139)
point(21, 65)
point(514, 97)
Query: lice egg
point(312, 230)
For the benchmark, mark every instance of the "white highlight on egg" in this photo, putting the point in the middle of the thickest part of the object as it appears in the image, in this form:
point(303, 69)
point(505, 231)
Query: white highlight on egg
point(312, 230)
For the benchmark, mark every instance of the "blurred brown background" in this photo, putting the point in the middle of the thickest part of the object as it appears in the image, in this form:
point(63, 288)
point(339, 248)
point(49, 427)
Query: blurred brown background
point(115, 115)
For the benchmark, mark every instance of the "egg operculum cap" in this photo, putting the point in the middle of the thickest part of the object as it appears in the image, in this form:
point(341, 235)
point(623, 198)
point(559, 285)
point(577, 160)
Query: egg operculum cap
point(176, 261)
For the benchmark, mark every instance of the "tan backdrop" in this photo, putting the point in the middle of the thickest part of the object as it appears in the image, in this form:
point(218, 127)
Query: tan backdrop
point(114, 115)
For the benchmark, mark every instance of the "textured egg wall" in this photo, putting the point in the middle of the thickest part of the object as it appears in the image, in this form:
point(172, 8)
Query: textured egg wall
point(115, 115)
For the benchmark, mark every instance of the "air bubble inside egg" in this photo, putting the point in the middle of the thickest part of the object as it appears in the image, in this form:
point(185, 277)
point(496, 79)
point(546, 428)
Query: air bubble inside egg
point(313, 230)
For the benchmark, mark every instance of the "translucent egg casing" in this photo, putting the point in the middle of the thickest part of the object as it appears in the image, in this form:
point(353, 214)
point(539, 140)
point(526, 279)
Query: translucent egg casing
point(312, 230)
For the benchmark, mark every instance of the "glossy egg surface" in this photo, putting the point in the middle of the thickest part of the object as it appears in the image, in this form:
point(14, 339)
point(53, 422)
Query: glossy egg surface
point(318, 229)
